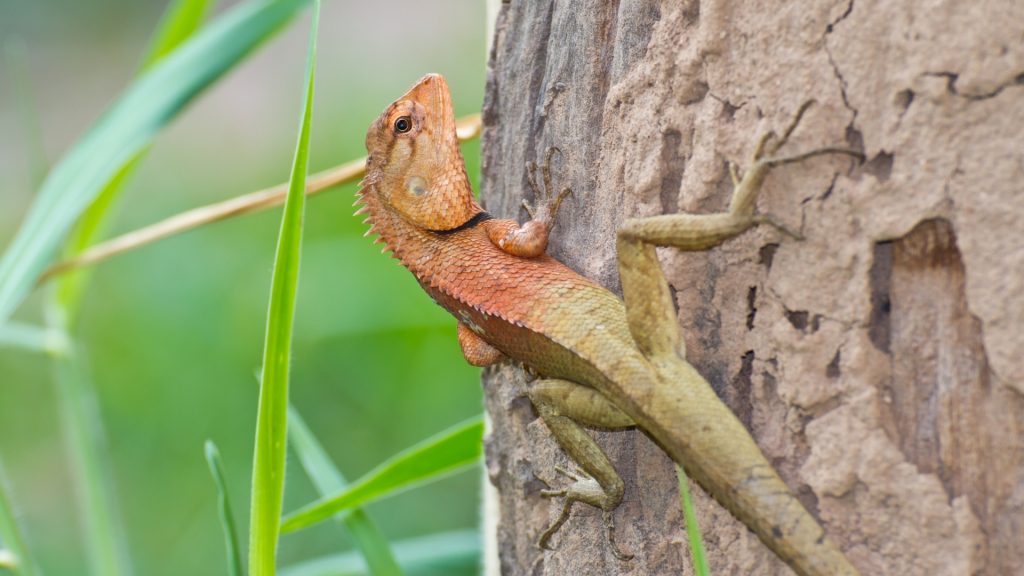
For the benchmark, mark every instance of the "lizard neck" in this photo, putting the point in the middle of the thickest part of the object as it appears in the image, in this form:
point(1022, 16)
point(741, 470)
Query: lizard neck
point(415, 247)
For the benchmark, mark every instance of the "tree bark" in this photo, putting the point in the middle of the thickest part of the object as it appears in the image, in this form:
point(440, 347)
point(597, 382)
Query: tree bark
point(877, 359)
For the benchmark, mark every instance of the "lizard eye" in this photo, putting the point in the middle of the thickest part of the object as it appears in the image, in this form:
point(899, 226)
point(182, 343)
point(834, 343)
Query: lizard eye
point(403, 124)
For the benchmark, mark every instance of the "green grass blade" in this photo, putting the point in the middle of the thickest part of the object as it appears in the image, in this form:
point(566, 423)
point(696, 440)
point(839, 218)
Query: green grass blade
point(125, 129)
point(32, 338)
point(442, 553)
point(700, 563)
point(272, 416)
point(181, 19)
point(102, 528)
point(328, 479)
point(436, 457)
point(68, 289)
point(227, 519)
point(87, 445)
point(11, 537)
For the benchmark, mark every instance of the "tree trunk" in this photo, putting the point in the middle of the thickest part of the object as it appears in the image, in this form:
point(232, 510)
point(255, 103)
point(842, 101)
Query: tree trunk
point(876, 360)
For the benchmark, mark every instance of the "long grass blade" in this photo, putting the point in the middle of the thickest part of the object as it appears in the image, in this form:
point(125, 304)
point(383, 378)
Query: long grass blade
point(442, 553)
point(432, 459)
point(700, 563)
point(227, 518)
point(86, 443)
point(180, 20)
point(67, 294)
point(125, 129)
point(272, 416)
point(328, 479)
point(17, 555)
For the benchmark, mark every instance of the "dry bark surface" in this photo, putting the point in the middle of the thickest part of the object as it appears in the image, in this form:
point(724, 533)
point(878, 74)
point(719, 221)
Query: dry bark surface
point(877, 360)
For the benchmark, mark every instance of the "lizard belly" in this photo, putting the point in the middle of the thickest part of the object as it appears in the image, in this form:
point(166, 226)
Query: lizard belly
point(577, 332)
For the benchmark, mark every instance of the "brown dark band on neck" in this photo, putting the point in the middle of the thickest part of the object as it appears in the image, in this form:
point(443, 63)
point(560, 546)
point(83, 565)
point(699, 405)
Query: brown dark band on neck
point(479, 217)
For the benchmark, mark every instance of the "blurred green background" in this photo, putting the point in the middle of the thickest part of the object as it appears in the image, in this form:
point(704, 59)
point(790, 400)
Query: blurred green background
point(174, 331)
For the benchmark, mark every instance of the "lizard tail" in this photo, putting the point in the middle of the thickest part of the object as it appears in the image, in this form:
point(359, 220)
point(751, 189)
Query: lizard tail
point(716, 450)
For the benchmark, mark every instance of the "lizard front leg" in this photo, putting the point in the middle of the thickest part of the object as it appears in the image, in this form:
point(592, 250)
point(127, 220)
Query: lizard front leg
point(564, 406)
point(700, 432)
point(476, 350)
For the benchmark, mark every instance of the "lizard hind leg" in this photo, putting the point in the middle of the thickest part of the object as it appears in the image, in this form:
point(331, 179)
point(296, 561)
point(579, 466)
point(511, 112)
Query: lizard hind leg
point(649, 306)
point(564, 406)
point(686, 416)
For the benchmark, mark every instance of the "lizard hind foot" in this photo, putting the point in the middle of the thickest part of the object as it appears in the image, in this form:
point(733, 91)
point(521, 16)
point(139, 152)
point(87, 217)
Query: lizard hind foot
point(747, 185)
point(769, 144)
point(586, 490)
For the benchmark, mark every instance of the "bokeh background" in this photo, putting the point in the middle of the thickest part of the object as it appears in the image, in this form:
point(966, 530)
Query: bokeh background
point(173, 332)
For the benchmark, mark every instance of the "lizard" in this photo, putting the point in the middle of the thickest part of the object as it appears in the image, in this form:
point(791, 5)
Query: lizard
point(602, 361)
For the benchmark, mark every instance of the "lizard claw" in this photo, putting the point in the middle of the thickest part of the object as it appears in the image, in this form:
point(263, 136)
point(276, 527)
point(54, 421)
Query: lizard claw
point(549, 493)
point(529, 209)
point(567, 473)
point(531, 177)
point(558, 200)
point(546, 167)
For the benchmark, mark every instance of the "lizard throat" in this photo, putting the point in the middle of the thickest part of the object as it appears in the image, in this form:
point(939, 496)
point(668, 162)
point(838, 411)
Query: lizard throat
point(410, 244)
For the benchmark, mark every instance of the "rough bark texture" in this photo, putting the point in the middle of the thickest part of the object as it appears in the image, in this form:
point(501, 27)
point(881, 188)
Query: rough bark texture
point(877, 361)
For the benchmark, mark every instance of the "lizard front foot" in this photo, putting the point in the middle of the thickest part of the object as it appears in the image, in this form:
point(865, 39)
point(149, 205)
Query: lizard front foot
point(584, 489)
point(547, 202)
point(531, 239)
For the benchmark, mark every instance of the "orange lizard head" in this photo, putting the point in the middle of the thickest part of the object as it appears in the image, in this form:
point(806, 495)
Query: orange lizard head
point(415, 166)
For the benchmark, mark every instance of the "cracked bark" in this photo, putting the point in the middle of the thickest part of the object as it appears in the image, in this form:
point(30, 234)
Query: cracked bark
point(876, 361)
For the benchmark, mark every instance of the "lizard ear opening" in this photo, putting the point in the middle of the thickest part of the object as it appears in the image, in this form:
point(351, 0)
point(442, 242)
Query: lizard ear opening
point(416, 186)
